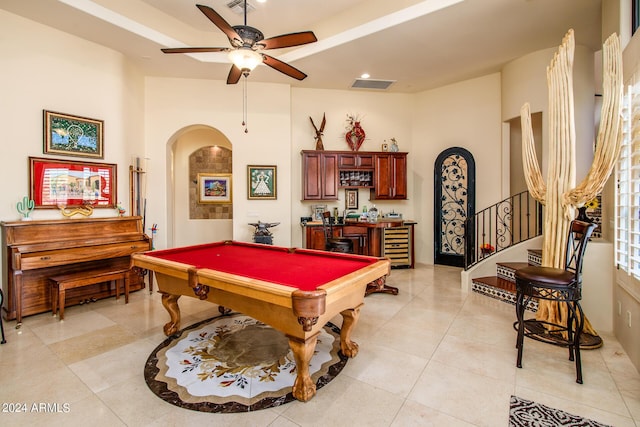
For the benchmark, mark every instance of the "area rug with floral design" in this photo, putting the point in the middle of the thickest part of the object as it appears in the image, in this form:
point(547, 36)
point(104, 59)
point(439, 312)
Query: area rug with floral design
point(525, 413)
point(235, 363)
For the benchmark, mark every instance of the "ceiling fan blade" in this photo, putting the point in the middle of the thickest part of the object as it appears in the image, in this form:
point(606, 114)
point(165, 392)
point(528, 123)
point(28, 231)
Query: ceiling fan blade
point(283, 67)
point(288, 40)
point(219, 22)
point(194, 49)
point(234, 75)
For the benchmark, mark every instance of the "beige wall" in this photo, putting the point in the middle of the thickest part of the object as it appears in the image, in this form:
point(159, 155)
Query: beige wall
point(467, 115)
point(43, 68)
point(172, 105)
point(532, 69)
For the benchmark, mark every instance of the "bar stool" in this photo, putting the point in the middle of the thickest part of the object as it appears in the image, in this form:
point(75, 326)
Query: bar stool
point(563, 286)
point(331, 243)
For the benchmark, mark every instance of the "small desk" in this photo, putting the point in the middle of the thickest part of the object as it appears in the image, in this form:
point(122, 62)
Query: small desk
point(296, 291)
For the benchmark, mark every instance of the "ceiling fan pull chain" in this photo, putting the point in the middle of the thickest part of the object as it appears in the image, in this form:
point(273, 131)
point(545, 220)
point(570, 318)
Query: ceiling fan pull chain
point(244, 105)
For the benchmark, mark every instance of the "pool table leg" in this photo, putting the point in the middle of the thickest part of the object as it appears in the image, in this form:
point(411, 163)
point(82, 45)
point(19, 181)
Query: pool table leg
point(349, 320)
point(303, 387)
point(170, 303)
point(380, 285)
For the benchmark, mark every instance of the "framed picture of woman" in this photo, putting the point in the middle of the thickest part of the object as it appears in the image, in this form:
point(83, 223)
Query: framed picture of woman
point(262, 182)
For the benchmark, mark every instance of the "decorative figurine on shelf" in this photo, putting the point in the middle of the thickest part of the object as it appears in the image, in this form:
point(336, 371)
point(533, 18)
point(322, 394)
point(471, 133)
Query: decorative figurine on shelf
point(354, 135)
point(318, 137)
point(25, 207)
point(261, 234)
point(394, 146)
point(121, 210)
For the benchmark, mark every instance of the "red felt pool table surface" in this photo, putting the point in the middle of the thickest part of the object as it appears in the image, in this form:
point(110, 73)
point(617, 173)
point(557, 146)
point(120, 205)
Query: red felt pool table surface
point(300, 268)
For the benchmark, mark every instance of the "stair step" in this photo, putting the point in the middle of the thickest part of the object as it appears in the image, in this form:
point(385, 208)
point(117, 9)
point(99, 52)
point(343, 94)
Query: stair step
point(500, 289)
point(507, 270)
point(534, 256)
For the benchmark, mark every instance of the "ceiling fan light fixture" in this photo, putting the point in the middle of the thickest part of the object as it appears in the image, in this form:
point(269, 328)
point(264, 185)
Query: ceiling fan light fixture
point(245, 58)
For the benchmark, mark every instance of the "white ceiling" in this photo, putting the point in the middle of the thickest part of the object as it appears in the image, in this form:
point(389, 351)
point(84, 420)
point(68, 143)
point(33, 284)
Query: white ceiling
point(420, 44)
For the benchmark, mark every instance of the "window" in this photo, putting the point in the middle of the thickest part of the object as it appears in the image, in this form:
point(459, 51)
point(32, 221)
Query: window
point(627, 210)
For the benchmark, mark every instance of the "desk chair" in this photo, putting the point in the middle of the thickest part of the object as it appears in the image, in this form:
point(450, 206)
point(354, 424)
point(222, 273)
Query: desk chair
point(334, 244)
point(562, 286)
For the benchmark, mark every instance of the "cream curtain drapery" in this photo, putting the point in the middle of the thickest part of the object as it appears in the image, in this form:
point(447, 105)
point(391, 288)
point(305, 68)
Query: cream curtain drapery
point(560, 195)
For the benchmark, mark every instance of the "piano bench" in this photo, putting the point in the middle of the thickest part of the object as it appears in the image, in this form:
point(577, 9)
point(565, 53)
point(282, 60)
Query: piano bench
point(59, 284)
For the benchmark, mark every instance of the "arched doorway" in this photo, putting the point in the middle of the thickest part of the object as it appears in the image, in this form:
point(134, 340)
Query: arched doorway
point(185, 228)
point(454, 202)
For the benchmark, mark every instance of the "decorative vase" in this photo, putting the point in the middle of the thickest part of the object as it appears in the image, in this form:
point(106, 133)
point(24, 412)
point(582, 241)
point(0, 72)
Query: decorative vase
point(355, 136)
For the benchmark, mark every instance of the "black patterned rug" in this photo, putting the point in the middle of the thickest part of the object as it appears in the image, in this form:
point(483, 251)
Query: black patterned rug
point(525, 413)
point(235, 364)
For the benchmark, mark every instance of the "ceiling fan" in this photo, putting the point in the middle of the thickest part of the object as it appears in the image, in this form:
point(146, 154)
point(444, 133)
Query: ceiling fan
point(247, 46)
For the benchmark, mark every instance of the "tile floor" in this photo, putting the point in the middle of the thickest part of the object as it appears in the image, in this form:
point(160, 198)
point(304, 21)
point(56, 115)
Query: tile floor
point(430, 356)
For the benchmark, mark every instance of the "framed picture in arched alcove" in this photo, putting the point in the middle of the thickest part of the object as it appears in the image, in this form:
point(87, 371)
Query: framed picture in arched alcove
point(214, 188)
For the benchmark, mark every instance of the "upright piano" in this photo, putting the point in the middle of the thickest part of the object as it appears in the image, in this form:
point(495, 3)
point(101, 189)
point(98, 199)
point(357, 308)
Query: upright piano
point(35, 250)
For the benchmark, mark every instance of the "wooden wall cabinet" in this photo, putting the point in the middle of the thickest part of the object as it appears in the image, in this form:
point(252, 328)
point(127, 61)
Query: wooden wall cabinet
point(390, 177)
point(319, 175)
point(324, 172)
point(355, 161)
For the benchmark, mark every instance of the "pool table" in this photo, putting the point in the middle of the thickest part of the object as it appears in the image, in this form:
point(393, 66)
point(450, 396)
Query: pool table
point(296, 291)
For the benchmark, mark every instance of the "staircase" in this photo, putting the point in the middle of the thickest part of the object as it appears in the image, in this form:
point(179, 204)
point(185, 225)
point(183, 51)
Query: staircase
point(502, 286)
point(511, 221)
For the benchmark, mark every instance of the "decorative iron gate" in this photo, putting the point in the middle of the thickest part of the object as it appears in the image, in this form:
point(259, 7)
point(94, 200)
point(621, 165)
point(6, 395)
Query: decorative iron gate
point(454, 202)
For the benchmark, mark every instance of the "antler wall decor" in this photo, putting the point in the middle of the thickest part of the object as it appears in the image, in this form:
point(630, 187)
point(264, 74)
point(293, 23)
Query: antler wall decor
point(319, 132)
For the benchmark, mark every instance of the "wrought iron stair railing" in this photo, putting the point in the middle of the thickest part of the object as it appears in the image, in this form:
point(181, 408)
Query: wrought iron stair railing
point(513, 220)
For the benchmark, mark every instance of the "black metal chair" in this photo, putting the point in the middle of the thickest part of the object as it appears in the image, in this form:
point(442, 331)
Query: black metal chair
point(332, 243)
point(562, 286)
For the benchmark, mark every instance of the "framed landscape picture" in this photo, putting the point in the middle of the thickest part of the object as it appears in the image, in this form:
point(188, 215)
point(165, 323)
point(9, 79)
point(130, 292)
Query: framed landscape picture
point(57, 183)
point(214, 188)
point(262, 182)
point(72, 135)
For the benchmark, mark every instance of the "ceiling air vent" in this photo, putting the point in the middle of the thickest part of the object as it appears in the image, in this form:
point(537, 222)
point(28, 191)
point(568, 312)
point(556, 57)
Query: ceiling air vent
point(237, 6)
point(372, 84)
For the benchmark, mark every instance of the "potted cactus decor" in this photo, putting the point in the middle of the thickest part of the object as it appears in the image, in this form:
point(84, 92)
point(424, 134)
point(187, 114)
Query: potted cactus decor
point(25, 207)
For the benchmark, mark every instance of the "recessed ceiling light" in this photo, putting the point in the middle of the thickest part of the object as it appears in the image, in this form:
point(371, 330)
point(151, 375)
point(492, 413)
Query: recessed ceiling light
point(365, 76)
point(261, 1)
